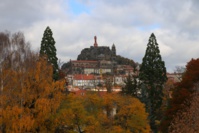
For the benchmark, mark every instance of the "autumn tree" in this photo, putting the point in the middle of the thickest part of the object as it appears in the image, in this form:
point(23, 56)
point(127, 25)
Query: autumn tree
point(131, 115)
point(76, 115)
point(33, 97)
point(108, 113)
point(152, 77)
point(182, 92)
point(29, 96)
point(167, 91)
point(186, 120)
point(15, 56)
point(48, 49)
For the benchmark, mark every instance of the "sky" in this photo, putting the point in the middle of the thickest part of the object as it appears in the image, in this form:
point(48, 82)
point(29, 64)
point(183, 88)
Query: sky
point(126, 23)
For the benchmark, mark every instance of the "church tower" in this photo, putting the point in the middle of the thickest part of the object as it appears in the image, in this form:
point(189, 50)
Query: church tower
point(113, 49)
point(95, 41)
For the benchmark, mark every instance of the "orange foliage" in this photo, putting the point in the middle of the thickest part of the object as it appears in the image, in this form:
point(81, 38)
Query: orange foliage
point(30, 98)
point(16, 120)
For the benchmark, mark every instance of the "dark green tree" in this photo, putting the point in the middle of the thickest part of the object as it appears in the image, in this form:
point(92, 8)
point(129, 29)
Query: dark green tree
point(152, 77)
point(48, 49)
point(130, 87)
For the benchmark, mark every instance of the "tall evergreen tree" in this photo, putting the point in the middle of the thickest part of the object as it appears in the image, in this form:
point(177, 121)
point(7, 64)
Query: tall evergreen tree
point(48, 49)
point(152, 78)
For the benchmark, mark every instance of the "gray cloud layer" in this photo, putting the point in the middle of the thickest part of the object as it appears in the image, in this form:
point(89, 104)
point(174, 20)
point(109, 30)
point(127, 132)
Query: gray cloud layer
point(128, 24)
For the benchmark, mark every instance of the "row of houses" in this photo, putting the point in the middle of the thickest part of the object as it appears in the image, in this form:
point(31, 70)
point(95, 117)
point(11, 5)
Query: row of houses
point(94, 82)
point(87, 74)
point(92, 74)
point(99, 67)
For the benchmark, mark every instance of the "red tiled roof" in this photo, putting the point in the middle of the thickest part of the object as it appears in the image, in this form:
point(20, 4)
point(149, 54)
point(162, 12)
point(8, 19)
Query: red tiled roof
point(84, 77)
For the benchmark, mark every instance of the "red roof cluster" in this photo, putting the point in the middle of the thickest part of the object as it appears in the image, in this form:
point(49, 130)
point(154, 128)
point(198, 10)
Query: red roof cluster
point(84, 77)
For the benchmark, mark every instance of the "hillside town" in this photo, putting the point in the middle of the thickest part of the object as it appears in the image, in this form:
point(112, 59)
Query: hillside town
point(97, 65)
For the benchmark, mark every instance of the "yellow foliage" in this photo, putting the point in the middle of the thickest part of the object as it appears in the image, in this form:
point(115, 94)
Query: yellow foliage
point(89, 114)
point(132, 116)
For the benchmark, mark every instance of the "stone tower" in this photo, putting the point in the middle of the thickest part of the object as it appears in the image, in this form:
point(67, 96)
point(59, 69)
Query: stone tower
point(95, 41)
point(113, 49)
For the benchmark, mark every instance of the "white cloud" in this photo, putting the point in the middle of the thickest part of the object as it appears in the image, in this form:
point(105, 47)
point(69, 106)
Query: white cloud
point(127, 24)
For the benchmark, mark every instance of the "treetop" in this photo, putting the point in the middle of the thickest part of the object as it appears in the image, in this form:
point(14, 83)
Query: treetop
point(152, 35)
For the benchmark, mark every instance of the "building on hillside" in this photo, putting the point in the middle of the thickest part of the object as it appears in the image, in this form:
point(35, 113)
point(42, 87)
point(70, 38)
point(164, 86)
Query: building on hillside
point(97, 52)
point(90, 74)
point(69, 79)
point(175, 77)
point(91, 67)
point(85, 81)
point(119, 80)
point(106, 67)
point(124, 70)
point(92, 82)
point(84, 66)
point(100, 67)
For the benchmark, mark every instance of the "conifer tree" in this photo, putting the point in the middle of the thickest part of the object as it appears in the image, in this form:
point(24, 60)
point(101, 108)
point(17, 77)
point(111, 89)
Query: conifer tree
point(130, 87)
point(152, 77)
point(48, 49)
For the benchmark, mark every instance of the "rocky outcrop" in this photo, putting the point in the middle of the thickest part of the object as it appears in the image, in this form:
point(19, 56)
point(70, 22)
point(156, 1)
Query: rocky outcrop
point(96, 53)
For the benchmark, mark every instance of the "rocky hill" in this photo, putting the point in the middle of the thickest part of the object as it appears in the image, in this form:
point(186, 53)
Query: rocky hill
point(96, 52)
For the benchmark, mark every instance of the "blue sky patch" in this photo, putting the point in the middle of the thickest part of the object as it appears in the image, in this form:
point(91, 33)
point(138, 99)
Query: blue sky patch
point(78, 7)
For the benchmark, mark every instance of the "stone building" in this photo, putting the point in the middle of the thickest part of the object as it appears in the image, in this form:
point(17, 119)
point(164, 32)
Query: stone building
point(91, 67)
